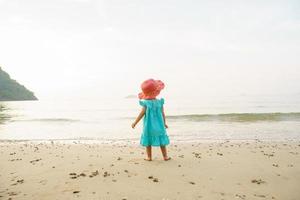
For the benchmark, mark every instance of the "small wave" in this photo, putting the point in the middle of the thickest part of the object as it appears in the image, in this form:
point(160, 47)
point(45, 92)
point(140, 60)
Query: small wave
point(239, 117)
point(49, 120)
point(4, 118)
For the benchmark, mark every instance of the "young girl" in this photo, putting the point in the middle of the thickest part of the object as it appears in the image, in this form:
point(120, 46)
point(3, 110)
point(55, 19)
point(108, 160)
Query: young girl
point(154, 130)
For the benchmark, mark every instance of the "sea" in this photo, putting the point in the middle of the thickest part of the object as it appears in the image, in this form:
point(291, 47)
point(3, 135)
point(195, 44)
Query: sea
point(242, 117)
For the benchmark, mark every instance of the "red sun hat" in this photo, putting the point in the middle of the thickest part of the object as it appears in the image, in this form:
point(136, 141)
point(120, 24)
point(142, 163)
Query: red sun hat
point(151, 88)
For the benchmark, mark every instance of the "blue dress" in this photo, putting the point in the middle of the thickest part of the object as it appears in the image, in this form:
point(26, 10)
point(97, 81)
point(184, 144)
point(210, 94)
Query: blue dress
point(154, 131)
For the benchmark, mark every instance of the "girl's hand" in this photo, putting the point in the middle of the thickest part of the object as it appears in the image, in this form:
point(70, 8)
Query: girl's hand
point(166, 126)
point(133, 125)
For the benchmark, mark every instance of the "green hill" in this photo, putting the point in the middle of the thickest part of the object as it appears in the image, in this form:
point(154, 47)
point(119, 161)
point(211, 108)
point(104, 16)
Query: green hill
point(11, 90)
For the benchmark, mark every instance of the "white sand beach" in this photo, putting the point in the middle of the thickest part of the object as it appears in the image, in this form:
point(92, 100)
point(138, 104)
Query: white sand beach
point(199, 170)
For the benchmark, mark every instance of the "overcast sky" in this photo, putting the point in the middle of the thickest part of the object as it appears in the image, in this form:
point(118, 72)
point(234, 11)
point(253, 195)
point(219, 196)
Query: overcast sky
point(90, 47)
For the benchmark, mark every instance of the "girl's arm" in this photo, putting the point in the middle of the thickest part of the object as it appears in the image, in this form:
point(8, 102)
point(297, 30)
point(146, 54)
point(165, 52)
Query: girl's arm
point(141, 115)
point(164, 116)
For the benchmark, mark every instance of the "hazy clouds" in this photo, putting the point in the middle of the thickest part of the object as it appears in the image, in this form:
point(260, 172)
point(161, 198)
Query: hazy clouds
point(89, 47)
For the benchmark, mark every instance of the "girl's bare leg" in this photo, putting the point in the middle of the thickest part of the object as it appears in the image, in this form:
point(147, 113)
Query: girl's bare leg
point(149, 153)
point(164, 153)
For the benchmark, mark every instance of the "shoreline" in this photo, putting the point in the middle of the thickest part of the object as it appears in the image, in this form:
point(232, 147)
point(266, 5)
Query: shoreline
point(198, 170)
point(136, 141)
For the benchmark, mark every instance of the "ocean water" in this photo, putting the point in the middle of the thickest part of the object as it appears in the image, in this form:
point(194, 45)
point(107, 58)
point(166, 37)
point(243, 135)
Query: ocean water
point(268, 117)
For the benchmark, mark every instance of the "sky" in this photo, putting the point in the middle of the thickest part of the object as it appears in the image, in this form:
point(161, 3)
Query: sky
point(96, 48)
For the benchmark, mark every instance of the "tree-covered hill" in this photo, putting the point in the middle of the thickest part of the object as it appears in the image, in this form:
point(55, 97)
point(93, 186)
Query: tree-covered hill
point(11, 90)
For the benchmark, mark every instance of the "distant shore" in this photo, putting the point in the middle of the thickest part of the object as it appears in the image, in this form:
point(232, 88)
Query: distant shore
point(199, 170)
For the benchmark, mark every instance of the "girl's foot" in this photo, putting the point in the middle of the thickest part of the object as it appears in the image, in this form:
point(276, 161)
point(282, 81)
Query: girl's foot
point(167, 158)
point(148, 159)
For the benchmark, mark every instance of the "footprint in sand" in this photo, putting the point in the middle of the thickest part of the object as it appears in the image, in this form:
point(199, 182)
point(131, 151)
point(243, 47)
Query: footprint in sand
point(43, 182)
point(12, 193)
point(260, 195)
point(155, 180)
point(17, 159)
point(269, 155)
point(18, 182)
point(105, 174)
point(258, 181)
point(35, 161)
point(74, 175)
point(82, 174)
point(241, 196)
point(197, 155)
point(96, 173)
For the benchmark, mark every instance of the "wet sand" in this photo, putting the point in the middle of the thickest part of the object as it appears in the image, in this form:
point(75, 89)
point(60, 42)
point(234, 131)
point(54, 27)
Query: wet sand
point(199, 170)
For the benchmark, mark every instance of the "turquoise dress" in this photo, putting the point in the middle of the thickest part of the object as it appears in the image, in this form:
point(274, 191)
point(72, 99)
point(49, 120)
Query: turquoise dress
point(154, 131)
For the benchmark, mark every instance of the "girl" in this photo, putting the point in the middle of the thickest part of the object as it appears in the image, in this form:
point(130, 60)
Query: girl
point(154, 130)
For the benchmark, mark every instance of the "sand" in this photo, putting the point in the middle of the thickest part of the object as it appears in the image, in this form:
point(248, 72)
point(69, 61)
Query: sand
point(198, 170)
